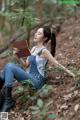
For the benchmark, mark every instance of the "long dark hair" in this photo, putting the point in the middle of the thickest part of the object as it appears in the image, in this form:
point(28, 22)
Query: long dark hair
point(50, 36)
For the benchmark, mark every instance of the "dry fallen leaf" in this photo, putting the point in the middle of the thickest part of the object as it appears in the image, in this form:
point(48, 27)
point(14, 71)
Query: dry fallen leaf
point(76, 107)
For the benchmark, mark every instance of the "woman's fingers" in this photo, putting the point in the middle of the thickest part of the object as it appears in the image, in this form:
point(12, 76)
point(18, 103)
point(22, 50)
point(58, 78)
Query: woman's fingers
point(15, 50)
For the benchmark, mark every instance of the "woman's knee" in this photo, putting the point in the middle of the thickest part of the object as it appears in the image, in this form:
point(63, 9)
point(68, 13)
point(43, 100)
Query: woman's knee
point(9, 66)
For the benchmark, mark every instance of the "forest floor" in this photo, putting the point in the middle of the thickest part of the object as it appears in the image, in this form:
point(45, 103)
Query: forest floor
point(63, 98)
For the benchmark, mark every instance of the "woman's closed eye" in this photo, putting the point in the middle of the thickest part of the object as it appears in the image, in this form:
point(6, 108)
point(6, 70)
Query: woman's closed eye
point(39, 33)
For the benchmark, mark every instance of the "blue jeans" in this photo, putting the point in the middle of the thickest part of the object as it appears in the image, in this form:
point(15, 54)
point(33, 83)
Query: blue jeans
point(12, 71)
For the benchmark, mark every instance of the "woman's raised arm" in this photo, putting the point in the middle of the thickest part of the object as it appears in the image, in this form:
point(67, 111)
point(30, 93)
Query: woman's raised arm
point(53, 61)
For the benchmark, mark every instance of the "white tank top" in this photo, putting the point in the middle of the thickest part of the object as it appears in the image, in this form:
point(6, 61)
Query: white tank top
point(40, 61)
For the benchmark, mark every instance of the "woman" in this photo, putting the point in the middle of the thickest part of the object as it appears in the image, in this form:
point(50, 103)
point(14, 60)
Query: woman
point(36, 62)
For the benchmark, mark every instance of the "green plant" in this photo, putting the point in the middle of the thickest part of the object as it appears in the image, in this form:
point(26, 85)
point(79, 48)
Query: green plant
point(41, 108)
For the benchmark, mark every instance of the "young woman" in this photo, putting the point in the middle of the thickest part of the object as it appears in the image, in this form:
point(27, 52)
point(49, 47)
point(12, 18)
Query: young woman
point(36, 62)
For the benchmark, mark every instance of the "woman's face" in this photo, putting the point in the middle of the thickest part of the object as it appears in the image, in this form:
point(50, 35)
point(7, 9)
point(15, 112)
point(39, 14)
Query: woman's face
point(39, 36)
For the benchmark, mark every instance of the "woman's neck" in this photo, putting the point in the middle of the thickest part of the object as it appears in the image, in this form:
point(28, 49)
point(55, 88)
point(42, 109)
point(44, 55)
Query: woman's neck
point(39, 45)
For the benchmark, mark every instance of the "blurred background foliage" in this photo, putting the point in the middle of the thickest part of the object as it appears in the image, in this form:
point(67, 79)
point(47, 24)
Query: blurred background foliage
point(23, 15)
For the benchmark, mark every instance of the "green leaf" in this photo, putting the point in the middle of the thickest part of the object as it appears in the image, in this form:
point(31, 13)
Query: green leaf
point(32, 98)
point(19, 90)
point(40, 103)
point(45, 92)
point(22, 99)
point(34, 108)
point(43, 112)
point(26, 82)
point(52, 116)
point(35, 112)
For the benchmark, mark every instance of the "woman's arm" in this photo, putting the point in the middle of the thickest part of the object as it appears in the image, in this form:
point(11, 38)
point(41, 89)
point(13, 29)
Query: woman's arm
point(53, 61)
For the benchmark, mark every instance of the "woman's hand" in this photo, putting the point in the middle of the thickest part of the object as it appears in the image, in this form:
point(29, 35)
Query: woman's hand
point(21, 60)
point(15, 50)
point(66, 70)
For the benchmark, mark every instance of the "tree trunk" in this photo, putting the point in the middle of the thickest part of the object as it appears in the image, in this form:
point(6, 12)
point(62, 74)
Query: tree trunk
point(1, 40)
point(39, 9)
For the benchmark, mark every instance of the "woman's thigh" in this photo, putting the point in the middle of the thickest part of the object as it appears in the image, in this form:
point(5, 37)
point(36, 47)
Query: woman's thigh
point(12, 70)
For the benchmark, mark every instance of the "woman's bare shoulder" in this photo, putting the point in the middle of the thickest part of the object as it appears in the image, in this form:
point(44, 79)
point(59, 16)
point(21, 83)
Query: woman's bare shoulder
point(46, 52)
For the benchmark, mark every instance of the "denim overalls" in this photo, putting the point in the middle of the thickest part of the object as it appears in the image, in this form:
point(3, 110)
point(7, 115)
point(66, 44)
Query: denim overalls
point(36, 78)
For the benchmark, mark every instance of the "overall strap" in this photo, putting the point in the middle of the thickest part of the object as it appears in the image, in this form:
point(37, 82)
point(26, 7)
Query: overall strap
point(41, 51)
point(40, 54)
